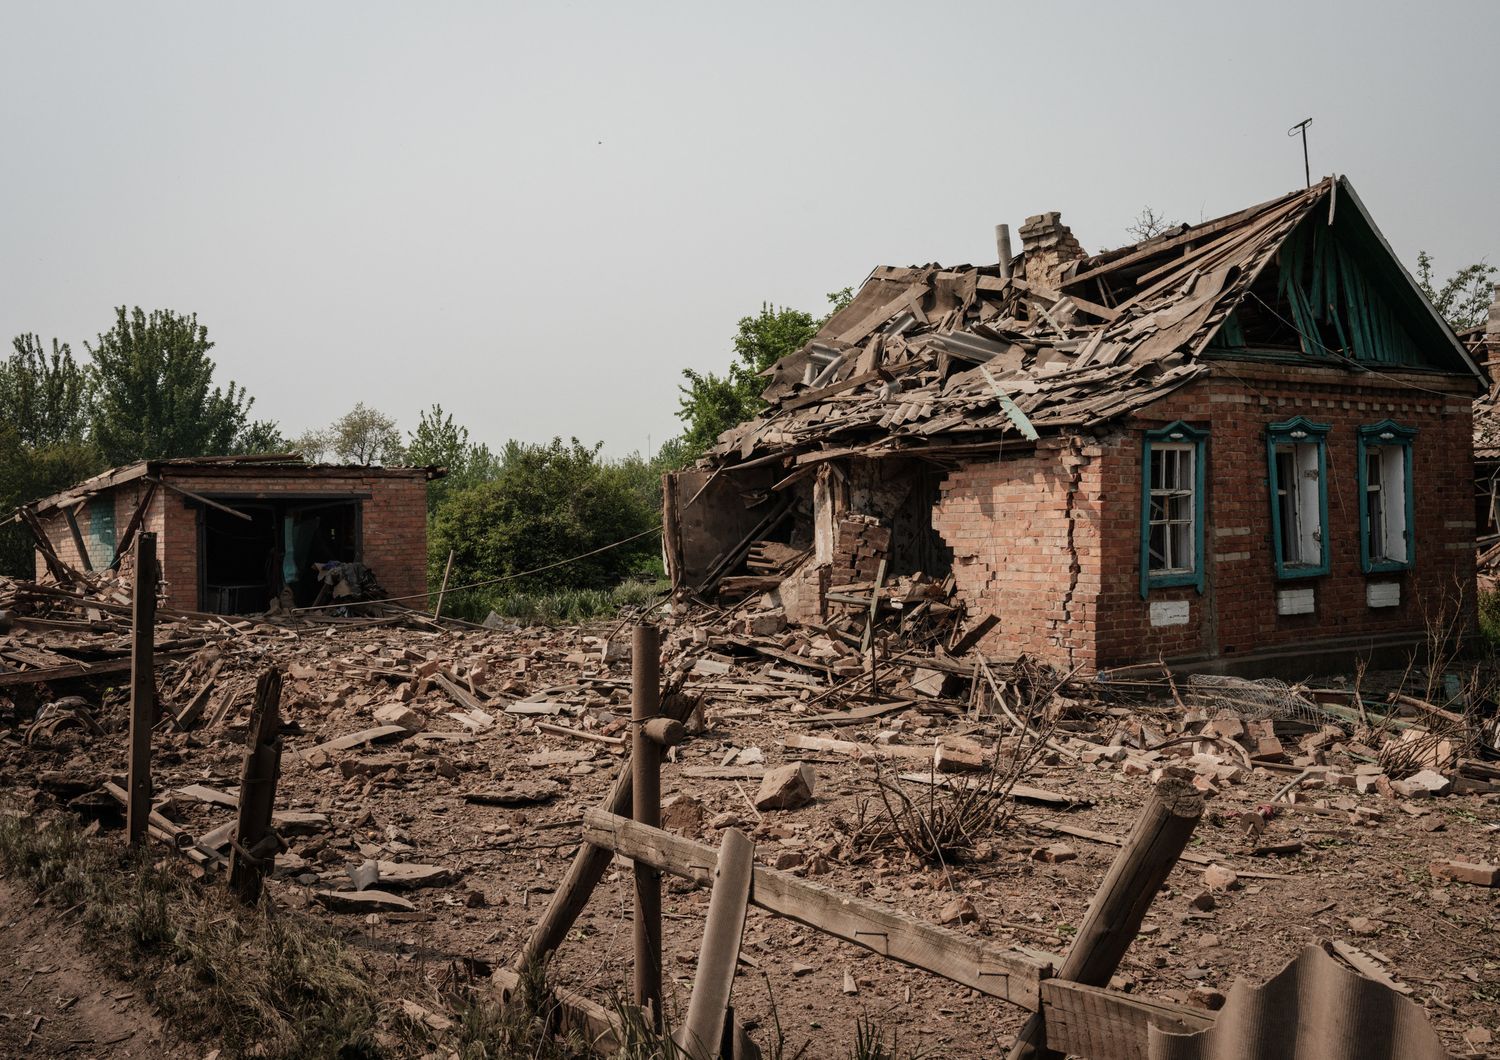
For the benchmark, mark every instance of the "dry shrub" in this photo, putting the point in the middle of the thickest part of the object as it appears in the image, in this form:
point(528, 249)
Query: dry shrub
point(952, 819)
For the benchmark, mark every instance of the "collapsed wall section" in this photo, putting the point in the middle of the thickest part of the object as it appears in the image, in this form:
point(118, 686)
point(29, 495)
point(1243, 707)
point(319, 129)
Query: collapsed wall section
point(1025, 533)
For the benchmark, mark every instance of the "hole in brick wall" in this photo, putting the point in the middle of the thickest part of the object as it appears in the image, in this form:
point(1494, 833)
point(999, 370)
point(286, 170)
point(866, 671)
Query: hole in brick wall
point(247, 563)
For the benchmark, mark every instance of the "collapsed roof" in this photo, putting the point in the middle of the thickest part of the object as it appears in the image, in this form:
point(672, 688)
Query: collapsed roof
point(254, 464)
point(929, 360)
point(1483, 341)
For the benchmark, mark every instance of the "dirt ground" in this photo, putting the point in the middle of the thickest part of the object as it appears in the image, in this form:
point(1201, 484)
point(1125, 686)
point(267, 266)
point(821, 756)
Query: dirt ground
point(1361, 874)
point(55, 999)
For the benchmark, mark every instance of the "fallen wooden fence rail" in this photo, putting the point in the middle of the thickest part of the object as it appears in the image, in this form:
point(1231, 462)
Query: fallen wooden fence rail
point(1013, 977)
point(69, 671)
point(1069, 1010)
point(1106, 1024)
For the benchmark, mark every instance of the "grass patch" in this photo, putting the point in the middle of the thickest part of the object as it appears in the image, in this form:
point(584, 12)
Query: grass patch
point(276, 985)
point(254, 980)
point(564, 607)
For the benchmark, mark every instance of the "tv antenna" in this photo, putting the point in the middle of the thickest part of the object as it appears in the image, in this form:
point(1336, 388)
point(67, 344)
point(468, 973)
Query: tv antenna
point(1301, 127)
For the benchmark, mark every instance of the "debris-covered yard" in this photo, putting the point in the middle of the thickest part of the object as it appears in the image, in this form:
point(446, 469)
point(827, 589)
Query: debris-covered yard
point(435, 775)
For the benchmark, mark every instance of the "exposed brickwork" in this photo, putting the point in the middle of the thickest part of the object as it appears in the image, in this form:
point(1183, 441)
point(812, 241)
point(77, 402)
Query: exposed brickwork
point(394, 522)
point(859, 547)
point(126, 498)
point(1237, 612)
point(803, 594)
point(1050, 541)
point(1026, 547)
point(1049, 245)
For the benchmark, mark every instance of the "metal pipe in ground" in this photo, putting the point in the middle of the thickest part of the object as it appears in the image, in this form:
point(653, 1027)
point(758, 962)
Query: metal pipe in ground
point(645, 757)
point(142, 689)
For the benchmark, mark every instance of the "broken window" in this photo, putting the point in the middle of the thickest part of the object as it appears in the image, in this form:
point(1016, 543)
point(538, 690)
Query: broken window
point(1385, 490)
point(1299, 497)
point(1172, 508)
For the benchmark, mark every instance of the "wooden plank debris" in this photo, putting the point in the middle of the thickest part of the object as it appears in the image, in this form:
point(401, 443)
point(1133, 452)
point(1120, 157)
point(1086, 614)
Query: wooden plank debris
point(708, 1005)
point(255, 843)
point(959, 958)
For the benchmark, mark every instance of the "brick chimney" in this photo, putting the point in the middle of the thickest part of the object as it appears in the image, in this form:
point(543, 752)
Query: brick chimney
point(1049, 246)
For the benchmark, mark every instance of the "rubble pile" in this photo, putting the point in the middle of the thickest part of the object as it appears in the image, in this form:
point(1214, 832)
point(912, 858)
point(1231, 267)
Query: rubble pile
point(434, 771)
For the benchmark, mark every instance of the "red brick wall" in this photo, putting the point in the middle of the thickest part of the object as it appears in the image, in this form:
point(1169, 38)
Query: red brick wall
point(1237, 613)
point(394, 524)
point(1025, 534)
point(1049, 541)
point(126, 498)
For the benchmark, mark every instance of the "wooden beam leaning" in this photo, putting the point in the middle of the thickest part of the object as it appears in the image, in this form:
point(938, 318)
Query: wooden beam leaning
point(645, 765)
point(995, 972)
point(702, 1034)
point(142, 691)
point(1114, 916)
point(437, 611)
point(136, 518)
point(190, 495)
point(589, 864)
point(255, 842)
point(78, 542)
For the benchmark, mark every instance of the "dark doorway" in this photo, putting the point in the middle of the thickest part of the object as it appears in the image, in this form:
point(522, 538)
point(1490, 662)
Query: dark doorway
point(245, 564)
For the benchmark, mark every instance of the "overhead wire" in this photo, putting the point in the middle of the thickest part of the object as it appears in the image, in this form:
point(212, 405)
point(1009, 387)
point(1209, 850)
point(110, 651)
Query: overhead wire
point(488, 581)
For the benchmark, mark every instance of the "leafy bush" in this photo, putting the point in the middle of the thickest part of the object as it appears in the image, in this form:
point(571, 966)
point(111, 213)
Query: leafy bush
point(566, 607)
point(548, 504)
point(1489, 617)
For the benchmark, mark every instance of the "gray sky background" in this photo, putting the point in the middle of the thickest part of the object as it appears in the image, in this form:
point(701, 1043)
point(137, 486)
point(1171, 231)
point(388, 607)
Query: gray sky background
point(537, 215)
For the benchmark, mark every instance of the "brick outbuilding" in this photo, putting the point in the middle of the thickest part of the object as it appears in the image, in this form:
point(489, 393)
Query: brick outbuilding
point(1243, 444)
point(236, 533)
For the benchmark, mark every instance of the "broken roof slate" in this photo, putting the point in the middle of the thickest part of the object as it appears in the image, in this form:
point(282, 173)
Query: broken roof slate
point(252, 464)
point(927, 358)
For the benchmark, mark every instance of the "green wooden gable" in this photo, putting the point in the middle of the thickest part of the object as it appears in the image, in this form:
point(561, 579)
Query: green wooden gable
point(1336, 294)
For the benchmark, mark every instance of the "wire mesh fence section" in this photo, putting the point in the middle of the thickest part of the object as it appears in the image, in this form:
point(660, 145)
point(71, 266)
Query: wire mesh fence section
point(1253, 700)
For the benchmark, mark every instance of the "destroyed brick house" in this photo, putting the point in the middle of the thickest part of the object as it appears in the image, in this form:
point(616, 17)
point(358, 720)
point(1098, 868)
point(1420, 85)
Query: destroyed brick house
point(1483, 342)
point(1244, 443)
point(239, 535)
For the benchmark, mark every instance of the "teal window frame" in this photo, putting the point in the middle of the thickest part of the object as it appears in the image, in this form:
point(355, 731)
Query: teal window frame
point(1175, 435)
point(1299, 431)
point(1387, 434)
point(100, 540)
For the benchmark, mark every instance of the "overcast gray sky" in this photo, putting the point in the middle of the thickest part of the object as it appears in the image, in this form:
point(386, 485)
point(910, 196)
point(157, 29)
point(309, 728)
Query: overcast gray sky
point(538, 214)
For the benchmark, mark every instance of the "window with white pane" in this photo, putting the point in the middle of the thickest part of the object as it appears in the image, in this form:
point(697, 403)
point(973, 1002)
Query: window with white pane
point(1173, 477)
point(1299, 497)
point(1385, 492)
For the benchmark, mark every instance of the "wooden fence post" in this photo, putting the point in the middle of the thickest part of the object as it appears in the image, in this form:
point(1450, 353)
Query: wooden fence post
point(645, 674)
point(702, 1035)
point(592, 861)
point(255, 842)
point(142, 690)
point(437, 611)
point(1114, 916)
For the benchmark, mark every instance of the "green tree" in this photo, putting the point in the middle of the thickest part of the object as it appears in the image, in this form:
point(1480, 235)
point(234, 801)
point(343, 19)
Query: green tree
point(1463, 299)
point(643, 475)
point(155, 398)
point(710, 404)
point(548, 503)
point(360, 436)
point(44, 397)
point(439, 442)
point(28, 472)
point(262, 437)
